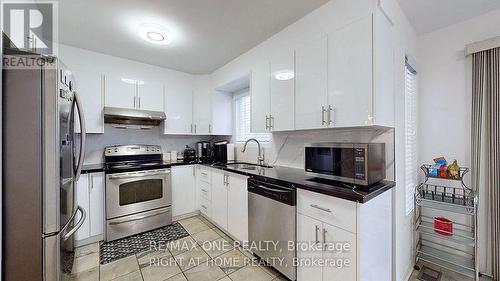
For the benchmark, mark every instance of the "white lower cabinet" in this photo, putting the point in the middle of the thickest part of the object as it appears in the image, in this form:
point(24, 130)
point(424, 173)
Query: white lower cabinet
point(334, 246)
point(237, 207)
point(183, 190)
point(308, 231)
point(219, 198)
point(90, 196)
point(352, 240)
point(223, 197)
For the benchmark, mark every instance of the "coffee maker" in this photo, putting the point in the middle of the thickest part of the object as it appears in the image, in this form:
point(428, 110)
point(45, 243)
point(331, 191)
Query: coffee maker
point(204, 152)
point(220, 152)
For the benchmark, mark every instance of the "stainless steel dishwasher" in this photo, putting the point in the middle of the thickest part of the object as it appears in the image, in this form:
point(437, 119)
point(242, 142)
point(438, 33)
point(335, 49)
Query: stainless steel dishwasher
point(272, 219)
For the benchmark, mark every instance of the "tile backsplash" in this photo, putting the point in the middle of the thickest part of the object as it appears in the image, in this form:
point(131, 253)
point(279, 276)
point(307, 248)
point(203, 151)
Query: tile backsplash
point(287, 148)
point(114, 136)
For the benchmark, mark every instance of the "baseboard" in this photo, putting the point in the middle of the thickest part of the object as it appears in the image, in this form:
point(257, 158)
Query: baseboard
point(185, 216)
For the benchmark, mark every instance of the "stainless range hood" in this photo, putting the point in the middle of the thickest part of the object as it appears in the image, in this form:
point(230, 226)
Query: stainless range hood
point(135, 117)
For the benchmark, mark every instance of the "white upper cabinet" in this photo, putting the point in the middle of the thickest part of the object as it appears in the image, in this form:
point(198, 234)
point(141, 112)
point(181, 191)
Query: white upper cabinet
point(384, 101)
point(202, 106)
point(179, 107)
point(222, 114)
point(282, 91)
point(90, 87)
point(260, 99)
point(311, 84)
point(350, 92)
point(150, 96)
point(120, 92)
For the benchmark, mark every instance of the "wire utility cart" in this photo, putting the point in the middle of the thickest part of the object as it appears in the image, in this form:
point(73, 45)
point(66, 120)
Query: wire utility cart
point(454, 249)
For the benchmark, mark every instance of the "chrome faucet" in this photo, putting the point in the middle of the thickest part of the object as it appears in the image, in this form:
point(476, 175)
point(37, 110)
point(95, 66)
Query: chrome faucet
point(260, 157)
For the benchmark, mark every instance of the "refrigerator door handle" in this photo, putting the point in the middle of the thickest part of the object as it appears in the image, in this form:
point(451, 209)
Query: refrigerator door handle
point(78, 224)
point(83, 133)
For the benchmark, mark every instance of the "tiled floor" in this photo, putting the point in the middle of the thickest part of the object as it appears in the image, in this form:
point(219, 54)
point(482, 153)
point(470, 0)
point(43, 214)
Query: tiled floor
point(206, 255)
point(446, 274)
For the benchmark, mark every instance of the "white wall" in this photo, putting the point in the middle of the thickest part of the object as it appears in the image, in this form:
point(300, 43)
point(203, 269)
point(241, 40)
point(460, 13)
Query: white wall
point(445, 97)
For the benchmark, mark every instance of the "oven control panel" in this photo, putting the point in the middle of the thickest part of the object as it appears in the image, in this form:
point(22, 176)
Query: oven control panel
point(128, 150)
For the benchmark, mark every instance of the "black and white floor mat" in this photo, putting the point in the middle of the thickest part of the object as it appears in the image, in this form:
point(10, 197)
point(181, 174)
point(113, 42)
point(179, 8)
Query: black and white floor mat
point(115, 250)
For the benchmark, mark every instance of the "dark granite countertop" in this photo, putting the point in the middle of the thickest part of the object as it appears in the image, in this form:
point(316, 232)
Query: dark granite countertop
point(298, 179)
point(92, 168)
point(285, 176)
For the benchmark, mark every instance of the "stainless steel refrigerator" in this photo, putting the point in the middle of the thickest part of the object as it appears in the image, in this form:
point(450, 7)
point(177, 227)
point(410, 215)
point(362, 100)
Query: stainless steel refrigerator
point(42, 160)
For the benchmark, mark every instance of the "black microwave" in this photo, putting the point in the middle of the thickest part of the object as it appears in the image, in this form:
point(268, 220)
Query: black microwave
point(356, 163)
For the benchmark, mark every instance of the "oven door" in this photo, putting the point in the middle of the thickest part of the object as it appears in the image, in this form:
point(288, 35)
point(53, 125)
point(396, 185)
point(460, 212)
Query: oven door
point(135, 192)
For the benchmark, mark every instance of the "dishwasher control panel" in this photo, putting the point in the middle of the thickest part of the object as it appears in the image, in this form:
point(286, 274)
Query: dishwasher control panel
point(286, 195)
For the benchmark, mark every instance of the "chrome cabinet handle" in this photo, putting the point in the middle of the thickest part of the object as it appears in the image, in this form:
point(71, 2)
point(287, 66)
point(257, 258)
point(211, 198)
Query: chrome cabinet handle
point(271, 122)
point(317, 238)
point(267, 126)
point(91, 181)
point(139, 102)
point(78, 224)
point(83, 136)
point(323, 115)
point(135, 103)
point(330, 109)
point(321, 208)
point(324, 238)
point(191, 128)
point(204, 190)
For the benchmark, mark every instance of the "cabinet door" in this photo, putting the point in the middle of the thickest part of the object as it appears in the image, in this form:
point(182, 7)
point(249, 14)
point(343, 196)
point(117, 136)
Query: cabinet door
point(202, 106)
point(96, 210)
point(183, 190)
point(150, 96)
point(89, 86)
point(179, 108)
point(260, 99)
point(309, 248)
point(311, 84)
point(219, 199)
point(237, 220)
point(120, 92)
point(83, 200)
point(350, 74)
point(222, 115)
point(282, 91)
point(336, 241)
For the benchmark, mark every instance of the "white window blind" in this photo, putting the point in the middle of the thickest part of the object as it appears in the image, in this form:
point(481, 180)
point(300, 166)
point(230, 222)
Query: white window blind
point(411, 117)
point(243, 121)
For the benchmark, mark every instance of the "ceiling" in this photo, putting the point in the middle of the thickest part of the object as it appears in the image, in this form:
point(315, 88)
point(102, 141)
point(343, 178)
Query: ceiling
point(430, 15)
point(206, 33)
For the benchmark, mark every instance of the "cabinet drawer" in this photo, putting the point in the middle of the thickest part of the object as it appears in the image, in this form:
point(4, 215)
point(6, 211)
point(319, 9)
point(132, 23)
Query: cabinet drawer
point(205, 190)
point(205, 174)
point(205, 207)
point(328, 209)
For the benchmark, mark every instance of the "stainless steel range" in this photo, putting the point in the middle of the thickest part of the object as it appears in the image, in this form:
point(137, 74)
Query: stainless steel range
point(138, 190)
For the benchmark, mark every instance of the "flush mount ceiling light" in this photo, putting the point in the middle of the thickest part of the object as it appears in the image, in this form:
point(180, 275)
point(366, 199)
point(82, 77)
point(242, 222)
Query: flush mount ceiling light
point(155, 34)
point(284, 75)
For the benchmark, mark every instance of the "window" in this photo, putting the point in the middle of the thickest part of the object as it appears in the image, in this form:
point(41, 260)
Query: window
point(411, 117)
point(242, 119)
